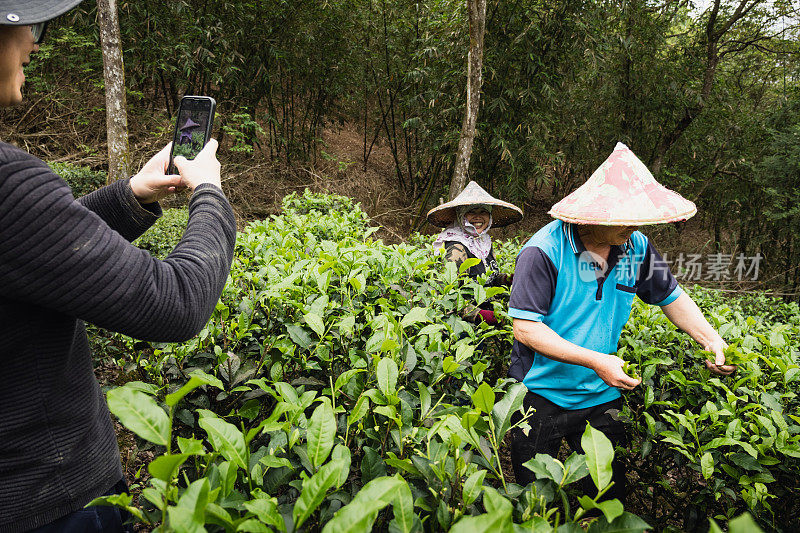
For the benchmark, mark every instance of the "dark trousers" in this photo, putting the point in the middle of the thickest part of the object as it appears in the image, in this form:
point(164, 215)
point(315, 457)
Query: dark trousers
point(101, 519)
point(551, 423)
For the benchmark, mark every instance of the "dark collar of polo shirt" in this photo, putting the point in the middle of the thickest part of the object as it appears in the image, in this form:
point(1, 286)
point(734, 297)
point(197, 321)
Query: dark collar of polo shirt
point(616, 253)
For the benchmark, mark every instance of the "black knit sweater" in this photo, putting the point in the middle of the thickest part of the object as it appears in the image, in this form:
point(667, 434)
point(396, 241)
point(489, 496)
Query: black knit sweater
point(62, 262)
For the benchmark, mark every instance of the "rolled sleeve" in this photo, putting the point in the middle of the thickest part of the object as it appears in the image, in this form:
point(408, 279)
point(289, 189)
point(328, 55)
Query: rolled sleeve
point(534, 285)
point(525, 315)
point(671, 298)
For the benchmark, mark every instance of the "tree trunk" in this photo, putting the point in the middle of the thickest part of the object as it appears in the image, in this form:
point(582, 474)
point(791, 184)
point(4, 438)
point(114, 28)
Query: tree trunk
point(477, 27)
point(114, 74)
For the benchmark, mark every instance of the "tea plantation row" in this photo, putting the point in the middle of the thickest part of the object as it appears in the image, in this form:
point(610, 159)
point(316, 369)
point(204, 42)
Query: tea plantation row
point(336, 389)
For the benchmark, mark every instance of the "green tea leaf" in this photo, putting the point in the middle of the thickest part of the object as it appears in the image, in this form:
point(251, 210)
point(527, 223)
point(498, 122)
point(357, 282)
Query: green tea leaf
point(122, 501)
point(387, 376)
point(359, 515)
point(372, 466)
point(190, 446)
point(388, 411)
point(478, 368)
point(744, 523)
point(776, 338)
point(341, 453)
point(497, 517)
point(599, 454)
point(194, 499)
point(405, 521)
point(251, 525)
point(164, 466)
point(273, 461)
point(424, 399)
point(347, 324)
point(140, 413)
point(449, 366)
point(315, 322)
point(707, 465)
point(479, 294)
point(359, 411)
point(227, 440)
point(141, 386)
point(509, 404)
point(467, 264)
point(546, 467)
point(611, 509)
point(625, 523)
point(266, 510)
point(299, 335)
point(574, 468)
point(314, 491)
point(198, 379)
point(473, 487)
point(183, 519)
point(415, 316)
point(345, 376)
point(321, 433)
point(493, 501)
point(227, 476)
point(483, 398)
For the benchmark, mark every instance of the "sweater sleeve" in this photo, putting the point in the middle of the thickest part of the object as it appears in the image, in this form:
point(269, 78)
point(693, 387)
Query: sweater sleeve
point(116, 205)
point(57, 254)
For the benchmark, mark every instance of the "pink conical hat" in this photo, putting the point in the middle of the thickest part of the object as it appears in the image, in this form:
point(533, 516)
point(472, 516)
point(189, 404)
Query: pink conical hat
point(622, 192)
point(503, 213)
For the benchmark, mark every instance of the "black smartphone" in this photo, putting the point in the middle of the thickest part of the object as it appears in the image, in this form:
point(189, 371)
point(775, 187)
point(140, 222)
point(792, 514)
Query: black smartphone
point(192, 127)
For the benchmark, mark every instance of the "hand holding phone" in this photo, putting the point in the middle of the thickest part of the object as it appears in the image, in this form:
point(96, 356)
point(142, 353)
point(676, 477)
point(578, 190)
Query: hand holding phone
point(202, 169)
point(151, 183)
point(192, 128)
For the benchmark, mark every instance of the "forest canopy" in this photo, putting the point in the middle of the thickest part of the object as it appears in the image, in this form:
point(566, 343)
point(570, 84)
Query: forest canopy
point(705, 93)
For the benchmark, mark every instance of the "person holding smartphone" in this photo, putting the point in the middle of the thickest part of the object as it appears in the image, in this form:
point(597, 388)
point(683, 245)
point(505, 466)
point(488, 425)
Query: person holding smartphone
point(65, 261)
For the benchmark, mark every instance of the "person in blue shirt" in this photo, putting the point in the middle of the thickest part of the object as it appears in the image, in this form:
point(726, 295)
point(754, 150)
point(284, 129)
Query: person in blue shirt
point(573, 290)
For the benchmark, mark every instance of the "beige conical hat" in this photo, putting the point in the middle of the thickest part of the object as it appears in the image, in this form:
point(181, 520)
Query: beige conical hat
point(622, 192)
point(503, 213)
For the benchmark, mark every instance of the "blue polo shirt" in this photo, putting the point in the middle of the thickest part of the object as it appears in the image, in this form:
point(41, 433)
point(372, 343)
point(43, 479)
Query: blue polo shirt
point(557, 282)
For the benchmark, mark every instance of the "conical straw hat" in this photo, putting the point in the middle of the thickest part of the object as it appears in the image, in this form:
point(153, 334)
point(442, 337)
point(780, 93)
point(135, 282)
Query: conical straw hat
point(503, 213)
point(622, 192)
point(189, 124)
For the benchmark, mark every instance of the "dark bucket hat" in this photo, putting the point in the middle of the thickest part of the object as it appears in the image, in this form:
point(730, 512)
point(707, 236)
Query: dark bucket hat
point(27, 12)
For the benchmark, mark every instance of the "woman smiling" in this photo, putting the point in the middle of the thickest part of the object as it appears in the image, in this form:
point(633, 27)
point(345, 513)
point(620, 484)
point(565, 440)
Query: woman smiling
point(467, 220)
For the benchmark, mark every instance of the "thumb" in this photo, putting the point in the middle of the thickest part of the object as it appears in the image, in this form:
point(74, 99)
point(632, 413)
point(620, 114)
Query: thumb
point(167, 180)
point(209, 150)
point(629, 382)
point(180, 162)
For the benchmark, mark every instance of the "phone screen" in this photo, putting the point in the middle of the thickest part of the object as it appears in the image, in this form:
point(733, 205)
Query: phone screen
point(195, 115)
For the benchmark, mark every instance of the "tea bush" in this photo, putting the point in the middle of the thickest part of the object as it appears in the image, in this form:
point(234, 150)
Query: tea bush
point(336, 379)
point(82, 180)
point(336, 388)
point(162, 237)
point(712, 445)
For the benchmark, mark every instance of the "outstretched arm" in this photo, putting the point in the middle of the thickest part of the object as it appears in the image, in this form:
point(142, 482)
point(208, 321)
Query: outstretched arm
point(685, 314)
point(57, 254)
point(540, 337)
point(130, 206)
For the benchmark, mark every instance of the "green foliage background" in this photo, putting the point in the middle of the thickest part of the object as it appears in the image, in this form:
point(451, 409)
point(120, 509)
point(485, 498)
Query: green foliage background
point(564, 80)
